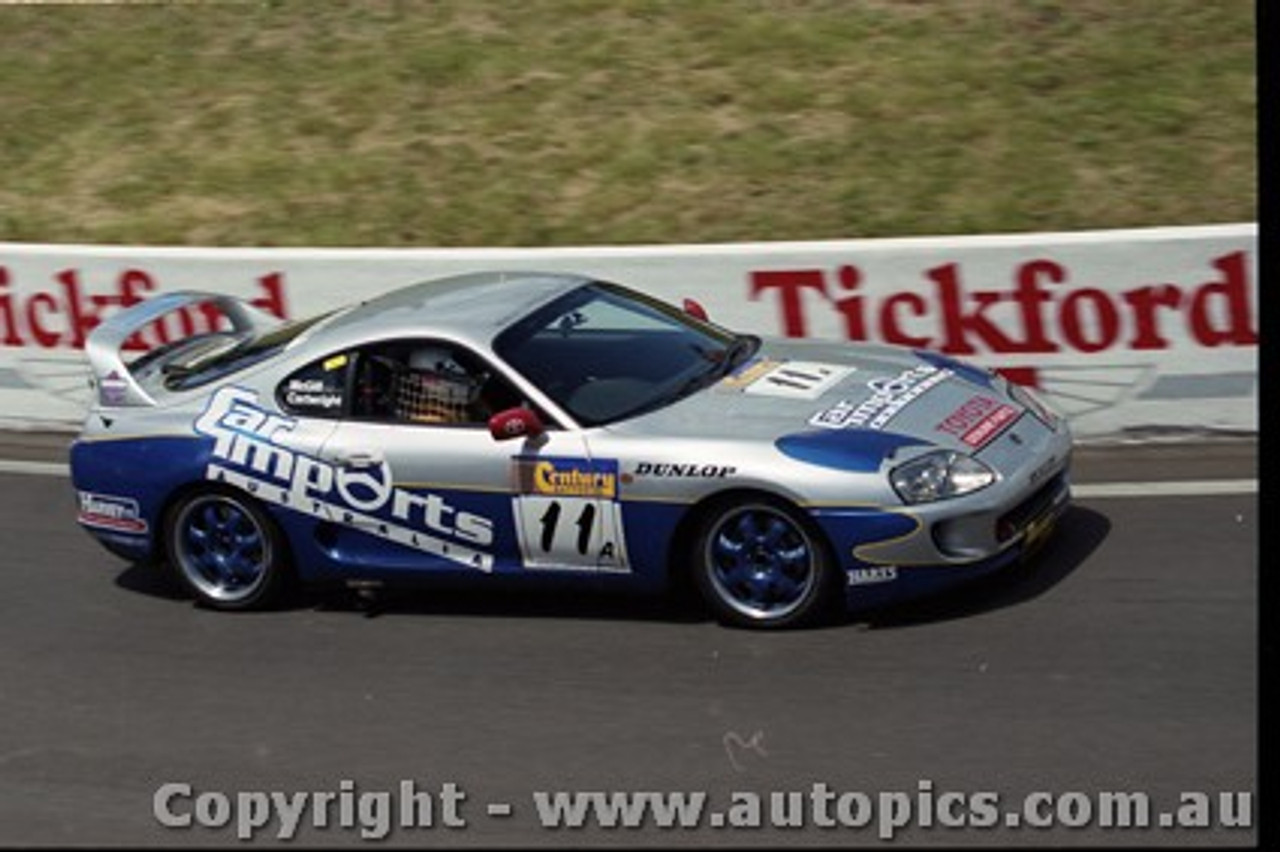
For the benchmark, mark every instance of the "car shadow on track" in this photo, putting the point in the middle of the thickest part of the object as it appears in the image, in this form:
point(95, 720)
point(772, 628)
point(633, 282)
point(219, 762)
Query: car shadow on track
point(1080, 532)
point(441, 598)
point(152, 580)
point(506, 604)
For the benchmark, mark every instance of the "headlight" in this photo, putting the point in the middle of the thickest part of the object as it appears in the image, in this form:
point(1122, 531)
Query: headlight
point(1024, 396)
point(938, 475)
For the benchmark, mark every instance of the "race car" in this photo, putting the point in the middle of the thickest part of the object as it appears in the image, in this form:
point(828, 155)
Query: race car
point(520, 427)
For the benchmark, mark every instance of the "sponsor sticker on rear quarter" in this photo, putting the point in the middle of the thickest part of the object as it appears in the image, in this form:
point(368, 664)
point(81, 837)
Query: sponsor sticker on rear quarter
point(110, 512)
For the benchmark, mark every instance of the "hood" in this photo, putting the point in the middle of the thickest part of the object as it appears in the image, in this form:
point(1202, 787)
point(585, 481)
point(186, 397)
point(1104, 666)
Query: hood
point(796, 387)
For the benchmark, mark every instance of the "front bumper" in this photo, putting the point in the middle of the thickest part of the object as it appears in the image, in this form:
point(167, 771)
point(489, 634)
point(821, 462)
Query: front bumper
point(916, 550)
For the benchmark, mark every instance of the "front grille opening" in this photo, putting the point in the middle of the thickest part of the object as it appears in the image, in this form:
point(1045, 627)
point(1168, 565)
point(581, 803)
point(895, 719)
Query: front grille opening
point(1014, 521)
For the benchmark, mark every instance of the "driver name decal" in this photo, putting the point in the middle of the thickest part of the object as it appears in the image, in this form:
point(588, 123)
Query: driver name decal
point(313, 393)
point(249, 452)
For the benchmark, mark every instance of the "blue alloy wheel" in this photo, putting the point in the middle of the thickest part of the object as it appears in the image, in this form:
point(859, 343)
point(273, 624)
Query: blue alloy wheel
point(225, 550)
point(758, 563)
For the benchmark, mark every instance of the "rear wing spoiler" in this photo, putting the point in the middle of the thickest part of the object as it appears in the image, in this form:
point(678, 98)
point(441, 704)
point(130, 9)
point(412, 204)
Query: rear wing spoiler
point(115, 385)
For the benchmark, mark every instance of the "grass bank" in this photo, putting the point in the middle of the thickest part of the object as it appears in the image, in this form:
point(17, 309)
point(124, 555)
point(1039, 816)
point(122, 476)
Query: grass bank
point(545, 122)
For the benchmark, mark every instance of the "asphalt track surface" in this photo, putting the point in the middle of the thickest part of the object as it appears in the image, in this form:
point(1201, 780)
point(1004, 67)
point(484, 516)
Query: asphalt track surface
point(1126, 659)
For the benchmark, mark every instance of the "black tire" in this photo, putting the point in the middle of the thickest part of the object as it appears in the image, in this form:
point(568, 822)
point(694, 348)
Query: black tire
point(226, 550)
point(758, 562)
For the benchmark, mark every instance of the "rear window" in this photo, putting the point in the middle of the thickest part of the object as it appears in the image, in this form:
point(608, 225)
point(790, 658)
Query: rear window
point(208, 363)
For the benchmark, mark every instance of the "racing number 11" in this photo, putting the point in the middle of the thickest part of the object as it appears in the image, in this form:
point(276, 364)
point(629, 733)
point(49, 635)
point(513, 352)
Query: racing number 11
point(585, 523)
point(570, 532)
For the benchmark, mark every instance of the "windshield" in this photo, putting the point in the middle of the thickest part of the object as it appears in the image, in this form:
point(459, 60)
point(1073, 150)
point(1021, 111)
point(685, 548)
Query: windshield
point(604, 353)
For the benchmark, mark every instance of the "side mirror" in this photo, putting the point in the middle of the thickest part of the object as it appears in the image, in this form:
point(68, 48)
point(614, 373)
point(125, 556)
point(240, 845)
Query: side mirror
point(515, 423)
point(695, 310)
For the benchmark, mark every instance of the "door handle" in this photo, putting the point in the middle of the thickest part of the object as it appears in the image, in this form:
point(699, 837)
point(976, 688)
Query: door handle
point(358, 459)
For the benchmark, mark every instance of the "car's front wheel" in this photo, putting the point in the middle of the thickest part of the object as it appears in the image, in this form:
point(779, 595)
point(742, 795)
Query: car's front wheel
point(760, 563)
point(225, 550)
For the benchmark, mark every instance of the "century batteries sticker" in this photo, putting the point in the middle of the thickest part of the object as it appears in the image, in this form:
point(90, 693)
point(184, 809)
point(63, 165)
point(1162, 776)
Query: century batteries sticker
point(793, 379)
point(251, 452)
point(889, 395)
point(109, 512)
point(567, 477)
point(567, 513)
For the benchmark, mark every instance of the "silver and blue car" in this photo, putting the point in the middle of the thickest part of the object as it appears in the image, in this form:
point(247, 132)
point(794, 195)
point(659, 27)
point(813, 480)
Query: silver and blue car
point(516, 428)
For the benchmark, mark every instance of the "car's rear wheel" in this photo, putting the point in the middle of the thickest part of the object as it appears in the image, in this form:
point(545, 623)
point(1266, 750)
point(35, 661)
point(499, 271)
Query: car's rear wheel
point(225, 550)
point(760, 563)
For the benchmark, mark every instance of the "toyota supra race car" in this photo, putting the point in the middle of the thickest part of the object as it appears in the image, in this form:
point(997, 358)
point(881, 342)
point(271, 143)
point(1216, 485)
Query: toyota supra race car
point(555, 428)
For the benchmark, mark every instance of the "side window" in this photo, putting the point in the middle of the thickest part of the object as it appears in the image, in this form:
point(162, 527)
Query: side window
point(318, 389)
point(429, 382)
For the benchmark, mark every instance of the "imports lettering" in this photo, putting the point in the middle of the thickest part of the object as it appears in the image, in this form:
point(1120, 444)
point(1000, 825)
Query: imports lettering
point(250, 451)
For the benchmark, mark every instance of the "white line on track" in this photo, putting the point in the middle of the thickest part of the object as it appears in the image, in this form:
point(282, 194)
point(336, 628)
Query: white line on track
point(1185, 488)
point(35, 468)
point(1085, 490)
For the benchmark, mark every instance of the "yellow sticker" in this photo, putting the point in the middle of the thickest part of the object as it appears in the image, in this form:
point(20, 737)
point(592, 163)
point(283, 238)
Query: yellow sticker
point(335, 362)
point(750, 373)
point(569, 477)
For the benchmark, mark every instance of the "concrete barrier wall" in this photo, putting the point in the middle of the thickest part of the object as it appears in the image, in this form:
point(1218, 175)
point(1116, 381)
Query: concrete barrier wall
point(1140, 332)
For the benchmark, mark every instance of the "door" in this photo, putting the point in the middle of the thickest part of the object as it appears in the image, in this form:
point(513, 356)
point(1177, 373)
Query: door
point(430, 489)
